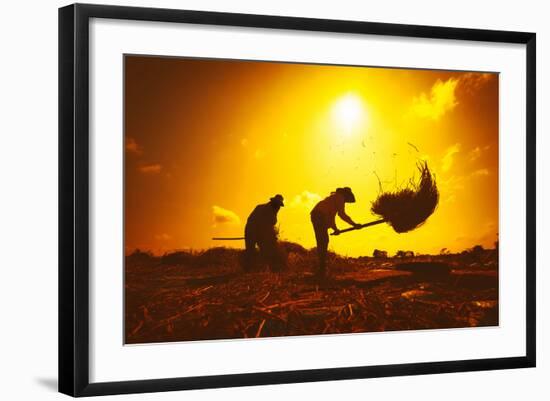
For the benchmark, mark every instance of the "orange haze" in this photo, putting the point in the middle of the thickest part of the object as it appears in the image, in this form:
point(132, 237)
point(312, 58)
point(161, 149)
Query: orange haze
point(207, 140)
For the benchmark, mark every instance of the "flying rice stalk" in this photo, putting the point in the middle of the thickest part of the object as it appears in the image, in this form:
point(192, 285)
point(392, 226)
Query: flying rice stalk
point(408, 208)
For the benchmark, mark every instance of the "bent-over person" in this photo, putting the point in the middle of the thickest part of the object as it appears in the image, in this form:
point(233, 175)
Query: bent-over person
point(323, 217)
point(260, 231)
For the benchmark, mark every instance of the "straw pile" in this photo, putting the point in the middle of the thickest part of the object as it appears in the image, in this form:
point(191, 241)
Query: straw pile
point(410, 207)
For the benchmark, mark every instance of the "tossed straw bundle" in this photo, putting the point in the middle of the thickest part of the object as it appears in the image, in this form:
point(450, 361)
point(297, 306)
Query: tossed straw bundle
point(410, 207)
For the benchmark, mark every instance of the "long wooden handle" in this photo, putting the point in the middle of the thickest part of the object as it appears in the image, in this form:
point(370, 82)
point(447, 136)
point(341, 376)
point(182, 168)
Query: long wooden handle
point(372, 223)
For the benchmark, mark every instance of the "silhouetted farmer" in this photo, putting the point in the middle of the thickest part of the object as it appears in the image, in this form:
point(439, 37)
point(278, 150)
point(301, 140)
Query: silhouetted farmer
point(323, 217)
point(260, 230)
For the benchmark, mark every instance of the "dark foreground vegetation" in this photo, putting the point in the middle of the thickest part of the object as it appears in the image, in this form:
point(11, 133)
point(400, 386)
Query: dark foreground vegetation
point(185, 296)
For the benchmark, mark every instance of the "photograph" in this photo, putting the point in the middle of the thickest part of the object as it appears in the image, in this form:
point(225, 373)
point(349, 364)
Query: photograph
point(269, 199)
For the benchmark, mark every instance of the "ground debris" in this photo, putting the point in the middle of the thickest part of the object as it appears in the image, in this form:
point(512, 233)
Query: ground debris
point(218, 301)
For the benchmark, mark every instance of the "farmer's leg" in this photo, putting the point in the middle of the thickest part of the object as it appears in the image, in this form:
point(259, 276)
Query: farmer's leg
point(267, 243)
point(265, 251)
point(322, 249)
point(250, 242)
point(321, 237)
point(271, 251)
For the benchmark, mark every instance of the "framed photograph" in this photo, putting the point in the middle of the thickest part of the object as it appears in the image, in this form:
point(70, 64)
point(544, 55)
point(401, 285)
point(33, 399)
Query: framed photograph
point(251, 199)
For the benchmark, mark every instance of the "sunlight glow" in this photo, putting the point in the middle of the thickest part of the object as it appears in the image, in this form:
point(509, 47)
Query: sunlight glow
point(348, 112)
point(303, 131)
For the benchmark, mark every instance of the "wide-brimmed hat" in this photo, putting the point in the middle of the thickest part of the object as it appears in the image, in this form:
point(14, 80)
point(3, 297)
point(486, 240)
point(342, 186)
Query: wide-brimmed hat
point(278, 200)
point(346, 192)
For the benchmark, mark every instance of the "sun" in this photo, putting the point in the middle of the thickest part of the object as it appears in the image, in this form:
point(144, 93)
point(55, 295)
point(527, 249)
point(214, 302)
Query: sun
point(348, 111)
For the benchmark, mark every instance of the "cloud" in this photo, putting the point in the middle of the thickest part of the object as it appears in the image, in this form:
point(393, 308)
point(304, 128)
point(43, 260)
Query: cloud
point(448, 158)
point(477, 152)
point(452, 185)
point(473, 81)
point(132, 146)
point(483, 172)
point(150, 168)
point(441, 99)
point(442, 96)
point(163, 237)
point(224, 216)
point(305, 199)
point(474, 154)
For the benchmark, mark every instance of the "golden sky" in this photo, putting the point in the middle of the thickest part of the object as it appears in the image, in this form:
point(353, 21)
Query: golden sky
point(207, 140)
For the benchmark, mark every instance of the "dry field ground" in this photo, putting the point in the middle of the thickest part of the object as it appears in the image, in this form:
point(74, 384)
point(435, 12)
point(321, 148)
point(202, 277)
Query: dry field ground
point(203, 296)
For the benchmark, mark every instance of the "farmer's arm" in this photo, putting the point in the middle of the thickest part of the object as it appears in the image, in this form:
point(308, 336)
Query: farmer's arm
point(273, 217)
point(342, 214)
point(333, 225)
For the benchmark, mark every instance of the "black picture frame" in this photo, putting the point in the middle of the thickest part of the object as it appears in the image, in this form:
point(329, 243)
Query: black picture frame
point(74, 198)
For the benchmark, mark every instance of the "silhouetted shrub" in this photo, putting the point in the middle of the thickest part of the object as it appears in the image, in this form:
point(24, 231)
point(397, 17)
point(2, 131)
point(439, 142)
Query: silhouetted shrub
point(218, 256)
point(290, 247)
point(140, 258)
point(380, 254)
point(177, 258)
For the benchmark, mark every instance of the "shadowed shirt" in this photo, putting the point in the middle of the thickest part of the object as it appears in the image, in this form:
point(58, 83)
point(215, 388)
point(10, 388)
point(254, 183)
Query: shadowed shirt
point(329, 207)
point(262, 220)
